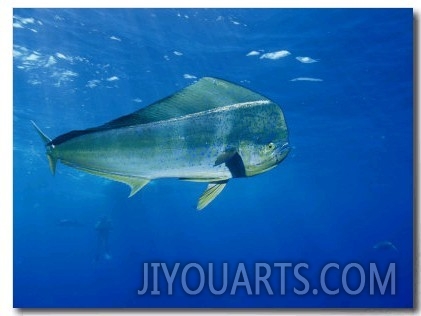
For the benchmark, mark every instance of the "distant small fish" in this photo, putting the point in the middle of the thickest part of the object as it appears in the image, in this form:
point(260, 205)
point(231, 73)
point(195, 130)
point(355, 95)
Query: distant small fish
point(385, 245)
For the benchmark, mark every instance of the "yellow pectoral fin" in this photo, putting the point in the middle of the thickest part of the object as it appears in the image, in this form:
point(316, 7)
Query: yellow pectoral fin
point(211, 192)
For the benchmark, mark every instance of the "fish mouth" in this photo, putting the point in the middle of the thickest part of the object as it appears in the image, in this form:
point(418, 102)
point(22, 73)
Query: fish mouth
point(275, 159)
point(281, 153)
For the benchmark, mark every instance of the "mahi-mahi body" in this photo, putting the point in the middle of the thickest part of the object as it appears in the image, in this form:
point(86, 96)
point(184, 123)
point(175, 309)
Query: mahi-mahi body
point(211, 131)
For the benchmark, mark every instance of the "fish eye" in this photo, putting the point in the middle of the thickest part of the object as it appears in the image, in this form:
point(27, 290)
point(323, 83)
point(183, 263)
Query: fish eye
point(271, 146)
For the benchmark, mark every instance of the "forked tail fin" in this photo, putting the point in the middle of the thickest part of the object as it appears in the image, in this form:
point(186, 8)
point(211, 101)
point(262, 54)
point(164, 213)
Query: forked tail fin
point(52, 161)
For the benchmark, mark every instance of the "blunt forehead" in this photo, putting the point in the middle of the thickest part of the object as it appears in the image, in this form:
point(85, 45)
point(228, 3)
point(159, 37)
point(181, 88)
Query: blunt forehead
point(269, 129)
point(264, 123)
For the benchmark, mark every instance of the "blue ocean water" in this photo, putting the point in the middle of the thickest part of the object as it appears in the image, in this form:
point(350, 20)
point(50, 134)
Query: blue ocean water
point(344, 79)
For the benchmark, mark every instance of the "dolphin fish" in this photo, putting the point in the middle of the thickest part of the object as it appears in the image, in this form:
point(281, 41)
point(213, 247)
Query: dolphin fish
point(210, 131)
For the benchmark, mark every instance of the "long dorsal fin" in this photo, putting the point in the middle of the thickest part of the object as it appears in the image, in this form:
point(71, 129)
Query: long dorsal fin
point(206, 94)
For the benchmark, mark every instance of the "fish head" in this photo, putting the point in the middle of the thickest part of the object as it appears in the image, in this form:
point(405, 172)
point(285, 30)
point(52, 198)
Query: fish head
point(264, 138)
point(259, 158)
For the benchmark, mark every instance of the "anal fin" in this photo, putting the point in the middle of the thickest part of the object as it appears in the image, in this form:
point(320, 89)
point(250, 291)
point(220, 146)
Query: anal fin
point(135, 183)
point(211, 192)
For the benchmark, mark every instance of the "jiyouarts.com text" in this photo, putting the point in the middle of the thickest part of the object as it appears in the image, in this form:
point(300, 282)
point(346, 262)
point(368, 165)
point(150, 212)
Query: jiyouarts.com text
point(277, 278)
